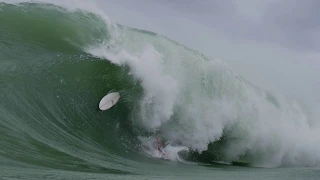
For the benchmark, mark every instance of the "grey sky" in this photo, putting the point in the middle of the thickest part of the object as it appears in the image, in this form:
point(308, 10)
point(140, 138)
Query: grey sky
point(292, 23)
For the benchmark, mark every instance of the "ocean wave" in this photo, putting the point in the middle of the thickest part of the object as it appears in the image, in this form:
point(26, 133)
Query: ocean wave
point(57, 63)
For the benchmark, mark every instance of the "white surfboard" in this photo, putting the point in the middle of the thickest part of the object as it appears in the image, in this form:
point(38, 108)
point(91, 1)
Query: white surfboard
point(108, 101)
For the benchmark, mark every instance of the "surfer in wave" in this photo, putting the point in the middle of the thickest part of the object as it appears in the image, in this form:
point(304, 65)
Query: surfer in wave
point(160, 147)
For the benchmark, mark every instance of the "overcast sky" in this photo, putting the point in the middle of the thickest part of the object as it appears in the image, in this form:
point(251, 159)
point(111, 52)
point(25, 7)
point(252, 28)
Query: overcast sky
point(294, 24)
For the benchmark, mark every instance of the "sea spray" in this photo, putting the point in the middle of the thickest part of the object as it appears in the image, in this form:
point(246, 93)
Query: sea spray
point(204, 101)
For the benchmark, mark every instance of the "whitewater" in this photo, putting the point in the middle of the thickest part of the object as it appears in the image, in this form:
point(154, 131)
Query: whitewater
point(57, 60)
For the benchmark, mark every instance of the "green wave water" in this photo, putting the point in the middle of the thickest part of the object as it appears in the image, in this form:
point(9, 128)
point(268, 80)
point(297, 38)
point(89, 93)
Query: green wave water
point(56, 65)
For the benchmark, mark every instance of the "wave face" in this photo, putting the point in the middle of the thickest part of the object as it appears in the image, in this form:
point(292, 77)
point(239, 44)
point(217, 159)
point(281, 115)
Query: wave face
point(56, 64)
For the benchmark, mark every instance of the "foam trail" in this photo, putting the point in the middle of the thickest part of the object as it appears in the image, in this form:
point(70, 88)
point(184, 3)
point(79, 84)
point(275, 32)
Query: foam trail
point(149, 146)
point(172, 152)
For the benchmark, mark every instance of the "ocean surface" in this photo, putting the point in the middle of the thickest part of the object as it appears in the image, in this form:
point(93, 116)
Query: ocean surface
point(56, 63)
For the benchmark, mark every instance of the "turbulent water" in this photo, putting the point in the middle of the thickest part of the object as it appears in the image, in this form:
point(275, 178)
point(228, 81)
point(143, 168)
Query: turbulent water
point(55, 66)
